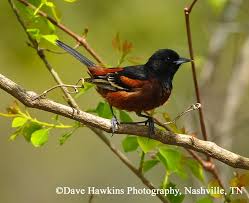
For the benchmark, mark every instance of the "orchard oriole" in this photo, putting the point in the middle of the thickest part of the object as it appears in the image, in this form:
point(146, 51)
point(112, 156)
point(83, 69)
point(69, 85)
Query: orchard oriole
point(134, 88)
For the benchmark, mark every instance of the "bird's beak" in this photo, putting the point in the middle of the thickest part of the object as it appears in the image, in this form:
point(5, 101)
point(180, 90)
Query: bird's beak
point(182, 60)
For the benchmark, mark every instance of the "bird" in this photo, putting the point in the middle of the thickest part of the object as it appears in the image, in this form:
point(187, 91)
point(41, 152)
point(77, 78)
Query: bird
point(137, 88)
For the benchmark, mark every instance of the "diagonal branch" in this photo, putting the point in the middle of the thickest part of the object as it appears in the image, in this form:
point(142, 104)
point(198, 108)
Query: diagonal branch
point(186, 141)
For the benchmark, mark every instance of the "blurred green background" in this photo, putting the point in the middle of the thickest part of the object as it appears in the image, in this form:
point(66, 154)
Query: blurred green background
point(31, 174)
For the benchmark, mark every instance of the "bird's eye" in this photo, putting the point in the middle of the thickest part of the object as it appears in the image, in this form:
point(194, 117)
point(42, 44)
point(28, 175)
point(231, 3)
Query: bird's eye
point(168, 59)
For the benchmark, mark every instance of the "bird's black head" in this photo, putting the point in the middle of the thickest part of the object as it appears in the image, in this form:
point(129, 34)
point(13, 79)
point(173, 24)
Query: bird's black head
point(165, 63)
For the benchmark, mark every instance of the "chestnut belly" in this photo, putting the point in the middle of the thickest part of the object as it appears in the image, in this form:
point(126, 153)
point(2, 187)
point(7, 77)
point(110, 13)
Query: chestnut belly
point(136, 101)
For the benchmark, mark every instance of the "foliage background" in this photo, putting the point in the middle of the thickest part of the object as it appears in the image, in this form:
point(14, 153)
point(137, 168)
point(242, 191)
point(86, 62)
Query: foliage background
point(31, 174)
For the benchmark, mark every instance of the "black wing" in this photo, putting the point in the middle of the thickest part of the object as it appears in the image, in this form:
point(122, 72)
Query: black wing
point(115, 81)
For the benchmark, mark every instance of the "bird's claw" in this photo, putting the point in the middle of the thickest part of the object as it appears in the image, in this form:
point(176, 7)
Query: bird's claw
point(114, 124)
point(151, 126)
point(75, 109)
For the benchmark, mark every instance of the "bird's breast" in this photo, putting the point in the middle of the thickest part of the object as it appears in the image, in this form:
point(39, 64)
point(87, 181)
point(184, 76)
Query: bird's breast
point(151, 95)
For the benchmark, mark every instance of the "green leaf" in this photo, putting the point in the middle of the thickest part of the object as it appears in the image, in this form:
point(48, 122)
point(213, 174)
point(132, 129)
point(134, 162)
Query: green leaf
point(162, 159)
point(204, 200)
point(172, 158)
point(18, 122)
point(65, 137)
point(149, 164)
point(196, 169)
point(130, 143)
point(124, 117)
point(24, 10)
point(35, 33)
point(29, 128)
point(103, 110)
point(50, 38)
point(171, 197)
point(99, 108)
point(49, 4)
point(13, 136)
point(147, 144)
point(70, 1)
point(40, 137)
point(51, 26)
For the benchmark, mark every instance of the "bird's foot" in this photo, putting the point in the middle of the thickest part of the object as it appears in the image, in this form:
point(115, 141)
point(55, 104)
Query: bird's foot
point(151, 126)
point(75, 110)
point(114, 124)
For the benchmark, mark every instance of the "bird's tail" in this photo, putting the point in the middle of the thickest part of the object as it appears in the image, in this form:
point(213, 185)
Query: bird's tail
point(75, 53)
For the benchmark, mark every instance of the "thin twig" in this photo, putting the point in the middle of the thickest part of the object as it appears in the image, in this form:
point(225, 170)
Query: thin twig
point(141, 163)
point(90, 200)
point(166, 125)
point(207, 165)
point(75, 87)
point(189, 109)
point(192, 6)
point(187, 12)
point(211, 169)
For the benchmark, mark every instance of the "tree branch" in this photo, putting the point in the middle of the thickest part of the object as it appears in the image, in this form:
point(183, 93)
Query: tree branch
point(186, 141)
